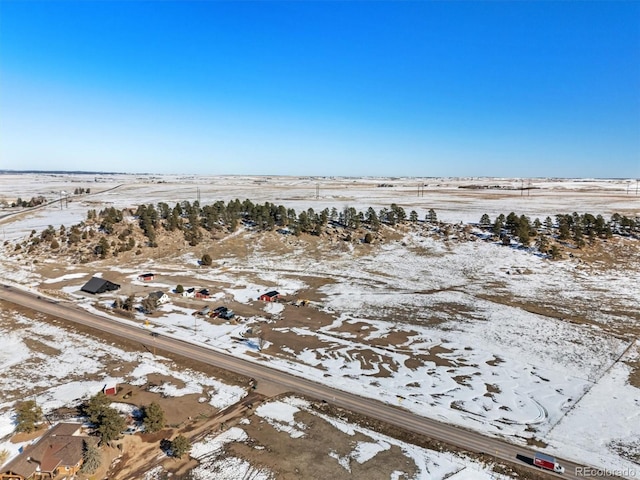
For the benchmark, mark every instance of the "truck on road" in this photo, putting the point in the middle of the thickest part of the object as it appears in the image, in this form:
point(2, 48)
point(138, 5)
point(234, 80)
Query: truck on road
point(547, 462)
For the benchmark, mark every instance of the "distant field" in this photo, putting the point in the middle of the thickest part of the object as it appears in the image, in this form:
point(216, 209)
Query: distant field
point(456, 327)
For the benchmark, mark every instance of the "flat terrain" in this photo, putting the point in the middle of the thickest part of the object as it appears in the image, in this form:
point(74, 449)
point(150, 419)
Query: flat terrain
point(455, 326)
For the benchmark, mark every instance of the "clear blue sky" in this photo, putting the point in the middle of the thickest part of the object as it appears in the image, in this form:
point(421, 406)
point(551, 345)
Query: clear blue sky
point(486, 88)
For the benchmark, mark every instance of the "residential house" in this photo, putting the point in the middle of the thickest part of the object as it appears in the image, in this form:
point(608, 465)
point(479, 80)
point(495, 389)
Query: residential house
point(159, 297)
point(146, 277)
point(189, 292)
point(58, 452)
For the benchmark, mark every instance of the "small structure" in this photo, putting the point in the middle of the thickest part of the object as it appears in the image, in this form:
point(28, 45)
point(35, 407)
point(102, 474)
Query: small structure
point(159, 297)
point(99, 285)
point(204, 293)
point(189, 292)
point(110, 389)
point(146, 277)
point(271, 296)
point(222, 312)
point(203, 311)
point(59, 451)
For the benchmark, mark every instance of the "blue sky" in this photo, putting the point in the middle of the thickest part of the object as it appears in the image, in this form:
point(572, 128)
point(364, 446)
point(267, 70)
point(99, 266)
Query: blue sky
point(486, 88)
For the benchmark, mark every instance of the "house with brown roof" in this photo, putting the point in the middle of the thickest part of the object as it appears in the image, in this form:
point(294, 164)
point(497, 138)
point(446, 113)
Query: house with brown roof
point(58, 452)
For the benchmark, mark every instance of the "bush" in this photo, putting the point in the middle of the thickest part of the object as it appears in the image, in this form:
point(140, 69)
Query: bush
point(206, 260)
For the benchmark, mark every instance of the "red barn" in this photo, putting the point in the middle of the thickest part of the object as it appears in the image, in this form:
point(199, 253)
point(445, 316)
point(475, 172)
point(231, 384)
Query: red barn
point(271, 296)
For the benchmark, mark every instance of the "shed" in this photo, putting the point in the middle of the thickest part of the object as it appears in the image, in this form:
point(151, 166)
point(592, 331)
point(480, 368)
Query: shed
point(271, 296)
point(146, 277)
point(110, 389)
point(204, 293)
point(99, 285)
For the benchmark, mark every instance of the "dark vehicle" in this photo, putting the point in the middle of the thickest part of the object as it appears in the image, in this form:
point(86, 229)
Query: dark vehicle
point(223, 312)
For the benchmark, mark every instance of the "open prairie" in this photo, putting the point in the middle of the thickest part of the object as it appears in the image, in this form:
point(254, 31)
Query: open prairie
point(435, 313)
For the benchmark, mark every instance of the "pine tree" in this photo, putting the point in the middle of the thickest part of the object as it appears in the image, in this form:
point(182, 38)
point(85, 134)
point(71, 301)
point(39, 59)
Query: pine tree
point(95, 407)
point(153, 418)
point(180, 445)
point(92, 459)
point(28, 416)
point(110, 425)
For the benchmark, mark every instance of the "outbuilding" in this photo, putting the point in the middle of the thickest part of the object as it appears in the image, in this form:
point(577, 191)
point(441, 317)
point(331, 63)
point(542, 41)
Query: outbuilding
point(271, 296)
point(99, 285)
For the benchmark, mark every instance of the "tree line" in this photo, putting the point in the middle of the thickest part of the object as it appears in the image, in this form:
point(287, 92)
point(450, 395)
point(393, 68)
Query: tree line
point(192, 218)
point(575, 227)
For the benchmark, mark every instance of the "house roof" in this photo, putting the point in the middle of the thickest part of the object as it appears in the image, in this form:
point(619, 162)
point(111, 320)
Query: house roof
point(157, 295)
point(57, 447)
point(99, 285)
point(146, 275)
point(272, 293)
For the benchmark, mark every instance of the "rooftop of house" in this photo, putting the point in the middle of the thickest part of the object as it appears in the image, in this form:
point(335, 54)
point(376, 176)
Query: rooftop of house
point(59, 446)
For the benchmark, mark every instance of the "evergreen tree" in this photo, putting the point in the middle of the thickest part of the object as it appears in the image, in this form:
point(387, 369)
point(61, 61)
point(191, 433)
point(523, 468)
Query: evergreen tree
point(180, 445)
point(96, 406)
point(372, 219)
point(92, 459)
point(413, 216)
point(485, 221)
point(206, 260)
point(153, 418)
point(110, 425)
point(102, 249)
point(28, 416)
point(556, 254)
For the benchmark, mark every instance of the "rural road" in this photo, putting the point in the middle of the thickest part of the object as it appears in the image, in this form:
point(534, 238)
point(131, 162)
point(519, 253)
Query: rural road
point(456, 436)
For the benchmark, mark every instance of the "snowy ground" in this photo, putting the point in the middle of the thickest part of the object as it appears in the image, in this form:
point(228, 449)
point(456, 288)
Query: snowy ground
point(463, 359)
point(281, 415)
point(52, 365)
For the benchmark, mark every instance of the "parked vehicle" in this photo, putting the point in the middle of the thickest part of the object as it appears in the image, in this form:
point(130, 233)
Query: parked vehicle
point(222, 312)
point(547, 462)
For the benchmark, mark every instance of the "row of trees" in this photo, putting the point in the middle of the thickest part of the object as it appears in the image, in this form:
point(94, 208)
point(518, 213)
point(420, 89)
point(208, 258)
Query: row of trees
point(33, 202)
point(564, 227)
point(191, 218)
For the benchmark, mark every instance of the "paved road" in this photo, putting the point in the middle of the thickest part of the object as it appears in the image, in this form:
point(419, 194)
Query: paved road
point(459, 437)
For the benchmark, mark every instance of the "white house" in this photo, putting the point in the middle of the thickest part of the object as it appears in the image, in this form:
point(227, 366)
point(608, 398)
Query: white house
point(160, 297)
point(189, 292)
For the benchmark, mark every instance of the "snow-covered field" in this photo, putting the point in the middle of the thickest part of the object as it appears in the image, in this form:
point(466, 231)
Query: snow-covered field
point(464, 357)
